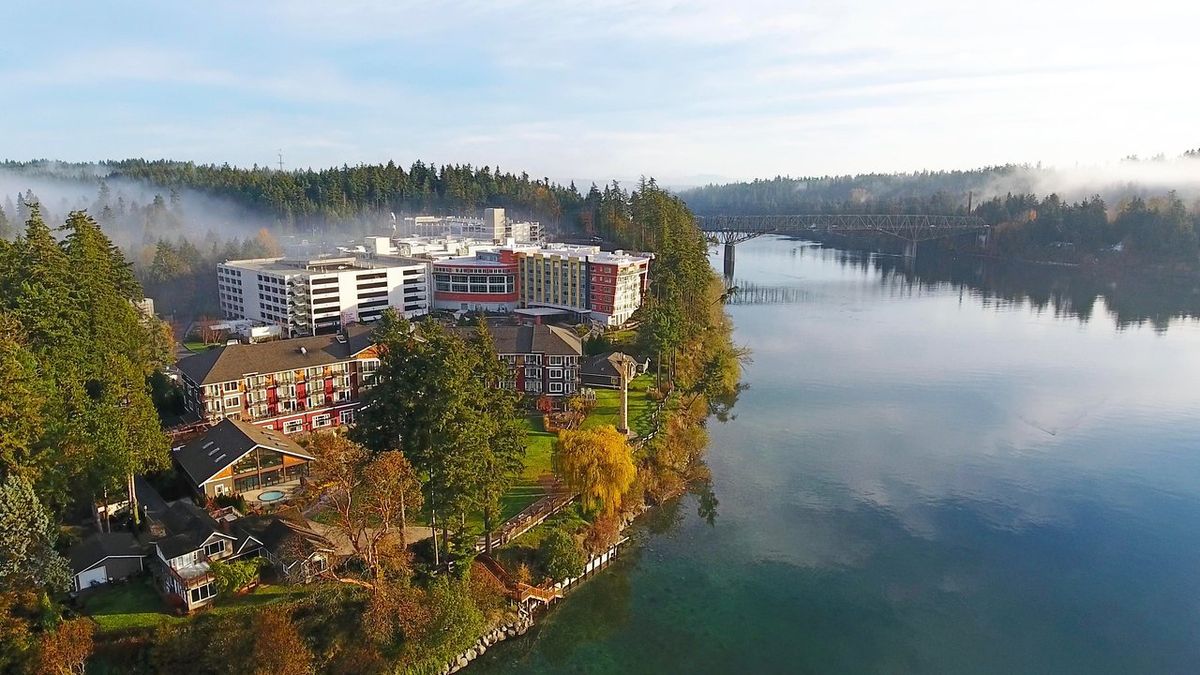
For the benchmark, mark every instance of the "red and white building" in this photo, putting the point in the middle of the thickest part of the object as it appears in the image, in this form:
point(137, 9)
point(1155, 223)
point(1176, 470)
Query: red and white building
point(616, 286)
point(598, 286)
point(298, 385)
point(484, 282)
point(541, 359)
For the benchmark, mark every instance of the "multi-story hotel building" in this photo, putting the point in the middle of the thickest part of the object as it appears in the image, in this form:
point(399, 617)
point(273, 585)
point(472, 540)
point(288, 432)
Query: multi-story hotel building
point(302, 384)
point(320, 295)
point(598, 286)
point(556, 277)
point(616, 286)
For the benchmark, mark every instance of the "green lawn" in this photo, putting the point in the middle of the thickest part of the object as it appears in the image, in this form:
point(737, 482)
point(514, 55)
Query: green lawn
point(196, 346)
point(137, 605)
point(608, 406)
point(539, 447)
point(621, 339)
point(133, 605)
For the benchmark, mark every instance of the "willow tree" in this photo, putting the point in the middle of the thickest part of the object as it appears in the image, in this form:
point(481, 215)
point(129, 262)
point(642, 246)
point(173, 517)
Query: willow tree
point(598, 463)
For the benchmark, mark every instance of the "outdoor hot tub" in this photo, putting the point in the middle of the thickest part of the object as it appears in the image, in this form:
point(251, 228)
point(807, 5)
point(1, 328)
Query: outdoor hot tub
point(269, 496)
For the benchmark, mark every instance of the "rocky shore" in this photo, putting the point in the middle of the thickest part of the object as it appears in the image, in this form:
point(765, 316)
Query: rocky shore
point(511, 630)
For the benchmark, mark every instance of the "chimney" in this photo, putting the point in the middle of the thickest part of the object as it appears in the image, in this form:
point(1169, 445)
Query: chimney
point(303, 350)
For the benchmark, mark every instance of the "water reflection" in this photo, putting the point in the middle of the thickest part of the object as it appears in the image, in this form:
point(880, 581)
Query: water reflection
point(1130, 298)
point(944, 469)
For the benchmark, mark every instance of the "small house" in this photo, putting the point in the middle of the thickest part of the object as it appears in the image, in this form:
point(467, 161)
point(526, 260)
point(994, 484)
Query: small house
point(236, 457)
point(104, 557)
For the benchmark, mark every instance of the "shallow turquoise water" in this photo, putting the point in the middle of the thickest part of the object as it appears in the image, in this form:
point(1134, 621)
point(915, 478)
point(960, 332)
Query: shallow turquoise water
point(924, 477)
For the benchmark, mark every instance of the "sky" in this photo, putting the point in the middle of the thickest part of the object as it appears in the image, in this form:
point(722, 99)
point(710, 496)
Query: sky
point(687, 92)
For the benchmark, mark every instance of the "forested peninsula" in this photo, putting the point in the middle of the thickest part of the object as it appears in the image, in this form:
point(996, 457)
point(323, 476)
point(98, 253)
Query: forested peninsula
point(79, 414)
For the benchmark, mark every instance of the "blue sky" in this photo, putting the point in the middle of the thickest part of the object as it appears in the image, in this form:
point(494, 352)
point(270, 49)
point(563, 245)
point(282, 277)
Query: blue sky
point(684, 91)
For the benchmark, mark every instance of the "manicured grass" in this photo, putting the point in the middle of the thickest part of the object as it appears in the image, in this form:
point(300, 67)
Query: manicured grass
point(621, 338)
point(198, 346)
point(539, 448)
point(124, 606)
point(608, 406)
point(137, 605)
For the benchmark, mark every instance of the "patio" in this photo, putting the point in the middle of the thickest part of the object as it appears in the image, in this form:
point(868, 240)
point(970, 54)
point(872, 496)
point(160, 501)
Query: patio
point(253, 497)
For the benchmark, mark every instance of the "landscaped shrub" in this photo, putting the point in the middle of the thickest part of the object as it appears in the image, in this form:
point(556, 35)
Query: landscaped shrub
point(560, 555)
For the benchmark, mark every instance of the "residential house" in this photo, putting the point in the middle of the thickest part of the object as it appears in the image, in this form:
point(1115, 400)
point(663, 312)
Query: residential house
point(296, 385)
point(236, 457)
point(603, 370)
point(193, 539)
point(291, 543)
point(105, 557)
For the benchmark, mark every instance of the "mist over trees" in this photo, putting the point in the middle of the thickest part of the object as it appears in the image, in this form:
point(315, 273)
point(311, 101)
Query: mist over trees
point(1147, 209)
point(297, 200)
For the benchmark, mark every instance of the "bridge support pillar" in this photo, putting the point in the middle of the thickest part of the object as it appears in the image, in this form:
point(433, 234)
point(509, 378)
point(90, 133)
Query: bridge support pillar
point(729, 262)
point(910, 250)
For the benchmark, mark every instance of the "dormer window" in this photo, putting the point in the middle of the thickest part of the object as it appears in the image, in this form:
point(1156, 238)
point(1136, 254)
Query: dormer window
point(215, 548)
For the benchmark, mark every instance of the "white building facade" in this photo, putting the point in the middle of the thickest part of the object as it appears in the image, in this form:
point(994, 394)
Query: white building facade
point(321, 295)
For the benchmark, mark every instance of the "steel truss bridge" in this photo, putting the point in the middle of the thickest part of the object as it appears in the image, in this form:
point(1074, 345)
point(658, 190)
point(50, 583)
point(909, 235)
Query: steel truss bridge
point(910, 228)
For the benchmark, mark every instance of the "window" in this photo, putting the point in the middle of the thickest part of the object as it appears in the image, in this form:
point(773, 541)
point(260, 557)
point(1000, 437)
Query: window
point(215, 548)
point(204, 592)
point(347, 417)
point(556, 388)
point(320, 421)
point(292, 426)
point(230, 386)
point(556, 373)
point(233, 402)
point(556, 360)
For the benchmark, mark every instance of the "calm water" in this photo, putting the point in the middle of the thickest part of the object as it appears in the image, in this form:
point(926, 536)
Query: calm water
point(923, 477)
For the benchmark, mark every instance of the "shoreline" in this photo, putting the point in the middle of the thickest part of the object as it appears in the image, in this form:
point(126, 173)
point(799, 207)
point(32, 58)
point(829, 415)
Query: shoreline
point(527, 616)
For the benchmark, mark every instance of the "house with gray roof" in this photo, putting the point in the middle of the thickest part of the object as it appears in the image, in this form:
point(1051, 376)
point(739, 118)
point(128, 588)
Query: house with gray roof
point(604, 370)
point(236, 457)
point(104, 557)
point(542, 359)
point(182, 559)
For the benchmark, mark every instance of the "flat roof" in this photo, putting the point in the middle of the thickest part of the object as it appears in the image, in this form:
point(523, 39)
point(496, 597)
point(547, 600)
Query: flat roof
point(473, 261)
point(310, 266)
point(541, 311)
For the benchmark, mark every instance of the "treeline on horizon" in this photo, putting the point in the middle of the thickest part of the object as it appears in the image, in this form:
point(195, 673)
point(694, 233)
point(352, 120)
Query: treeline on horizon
point(362, 193)
point(1143, 223)
point(350, 200)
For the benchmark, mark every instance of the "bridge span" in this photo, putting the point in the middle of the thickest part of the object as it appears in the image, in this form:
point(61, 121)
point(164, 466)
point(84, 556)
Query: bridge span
point(909, 228)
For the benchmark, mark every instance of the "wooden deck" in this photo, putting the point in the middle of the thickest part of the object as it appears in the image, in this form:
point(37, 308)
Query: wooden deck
point(532, 516)
point(521, 592)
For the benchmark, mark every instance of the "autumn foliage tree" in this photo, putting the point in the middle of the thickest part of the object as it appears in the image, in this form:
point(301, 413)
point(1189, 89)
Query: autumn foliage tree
point(597, 462)
point(369, 497)
point(65, 650)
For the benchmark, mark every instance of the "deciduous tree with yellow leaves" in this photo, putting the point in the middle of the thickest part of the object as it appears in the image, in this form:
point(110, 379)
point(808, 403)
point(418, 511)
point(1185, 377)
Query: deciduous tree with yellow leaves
point(597, 462)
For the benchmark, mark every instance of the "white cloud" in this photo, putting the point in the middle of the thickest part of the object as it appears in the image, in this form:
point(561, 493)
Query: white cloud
point(662, 87)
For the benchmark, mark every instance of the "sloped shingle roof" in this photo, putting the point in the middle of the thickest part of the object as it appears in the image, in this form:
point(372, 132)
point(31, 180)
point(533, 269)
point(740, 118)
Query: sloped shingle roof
point(227, 442)
point(540, 339)
point(101, 545)
point(233, 362)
